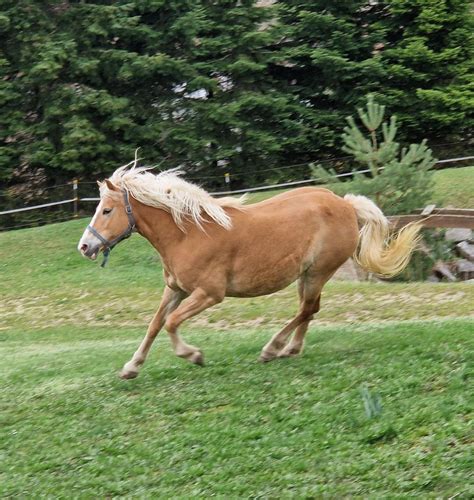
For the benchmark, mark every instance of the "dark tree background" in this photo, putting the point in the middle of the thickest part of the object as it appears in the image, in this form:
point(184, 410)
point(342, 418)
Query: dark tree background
point(217, 86)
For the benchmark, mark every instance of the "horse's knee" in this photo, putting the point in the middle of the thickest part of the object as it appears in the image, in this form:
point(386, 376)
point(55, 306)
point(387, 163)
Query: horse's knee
point(308, 314)
point(171, 324)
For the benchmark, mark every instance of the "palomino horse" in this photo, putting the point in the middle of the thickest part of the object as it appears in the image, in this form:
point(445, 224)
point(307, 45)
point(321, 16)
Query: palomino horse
point(212, 248)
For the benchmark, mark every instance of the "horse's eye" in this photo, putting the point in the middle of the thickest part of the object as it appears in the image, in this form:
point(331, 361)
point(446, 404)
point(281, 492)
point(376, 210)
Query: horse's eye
point(106, 211)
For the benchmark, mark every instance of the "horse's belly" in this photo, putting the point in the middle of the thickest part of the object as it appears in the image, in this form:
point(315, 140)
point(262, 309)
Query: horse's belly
point(258, 291)
point(263, 280)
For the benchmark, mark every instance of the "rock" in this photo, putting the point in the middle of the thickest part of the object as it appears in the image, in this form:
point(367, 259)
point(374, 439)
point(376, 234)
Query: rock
point(465, 269)
point(466, 250)
point(441, 270)
point(458, 234)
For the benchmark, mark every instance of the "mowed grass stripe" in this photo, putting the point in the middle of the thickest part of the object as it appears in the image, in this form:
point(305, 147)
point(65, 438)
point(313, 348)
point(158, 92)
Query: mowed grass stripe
point(239, 428)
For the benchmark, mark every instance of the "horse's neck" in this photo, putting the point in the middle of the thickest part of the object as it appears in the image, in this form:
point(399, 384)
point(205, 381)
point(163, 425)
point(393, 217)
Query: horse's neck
point(159, 228)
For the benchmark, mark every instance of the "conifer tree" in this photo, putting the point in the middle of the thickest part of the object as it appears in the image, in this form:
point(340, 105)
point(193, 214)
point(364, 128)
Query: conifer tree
point(65, 121)
point(400, 178)
point(218, 86)
point(187, 81)
point(416, 57)
point(427, 67)
point(239, 120)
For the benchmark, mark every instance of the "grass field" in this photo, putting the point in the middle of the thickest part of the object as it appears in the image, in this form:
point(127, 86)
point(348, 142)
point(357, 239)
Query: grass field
point(236, 428)
point(455, 187)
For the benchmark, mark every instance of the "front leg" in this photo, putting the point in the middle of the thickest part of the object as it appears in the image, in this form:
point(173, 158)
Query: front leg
point(192, 305)
point(169, 302)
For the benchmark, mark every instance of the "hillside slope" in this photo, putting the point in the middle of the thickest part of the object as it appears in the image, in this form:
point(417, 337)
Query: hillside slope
point(46, 282)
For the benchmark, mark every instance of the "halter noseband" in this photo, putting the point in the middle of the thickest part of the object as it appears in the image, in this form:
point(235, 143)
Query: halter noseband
point(109, 245)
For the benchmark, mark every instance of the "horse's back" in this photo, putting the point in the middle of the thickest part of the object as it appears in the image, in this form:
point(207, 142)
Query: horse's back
point(293, 194)
point(317, 208)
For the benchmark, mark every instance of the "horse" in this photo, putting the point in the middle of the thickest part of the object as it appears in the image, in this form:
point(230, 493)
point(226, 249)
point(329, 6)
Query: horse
point(212, 248)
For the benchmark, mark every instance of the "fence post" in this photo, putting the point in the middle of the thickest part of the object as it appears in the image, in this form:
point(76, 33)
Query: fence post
point(75, 184)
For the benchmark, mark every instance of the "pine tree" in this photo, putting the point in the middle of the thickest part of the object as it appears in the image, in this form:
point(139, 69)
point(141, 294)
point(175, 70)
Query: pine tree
point(400, 178)
point(416, 57)
point(10, 117)
point(187, 81)
point(218, 86)
point(64, 121)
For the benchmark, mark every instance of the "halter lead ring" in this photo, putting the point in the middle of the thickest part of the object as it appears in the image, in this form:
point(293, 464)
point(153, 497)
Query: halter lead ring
point(110, 244)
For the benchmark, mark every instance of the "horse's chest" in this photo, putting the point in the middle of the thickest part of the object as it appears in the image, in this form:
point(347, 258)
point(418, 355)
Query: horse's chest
point(173, 281)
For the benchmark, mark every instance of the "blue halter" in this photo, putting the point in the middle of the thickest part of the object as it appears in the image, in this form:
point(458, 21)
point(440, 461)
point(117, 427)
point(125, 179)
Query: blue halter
point(110, 244)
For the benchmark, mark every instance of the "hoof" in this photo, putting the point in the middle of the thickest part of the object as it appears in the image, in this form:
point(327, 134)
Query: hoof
point(265, 357)
point(128, 374)
point(291, 353)
point(197, 358)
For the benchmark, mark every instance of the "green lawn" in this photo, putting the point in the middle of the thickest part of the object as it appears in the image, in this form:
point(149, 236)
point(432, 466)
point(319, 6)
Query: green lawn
point(236, 428)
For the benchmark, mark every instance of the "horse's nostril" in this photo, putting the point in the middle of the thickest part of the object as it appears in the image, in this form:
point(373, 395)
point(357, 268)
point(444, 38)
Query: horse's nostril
point(84, 247)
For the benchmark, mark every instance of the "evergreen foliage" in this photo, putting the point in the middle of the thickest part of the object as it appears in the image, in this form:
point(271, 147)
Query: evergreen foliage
point(427, 67)
point(219, 86)
point(326, 61)
point(416, 57)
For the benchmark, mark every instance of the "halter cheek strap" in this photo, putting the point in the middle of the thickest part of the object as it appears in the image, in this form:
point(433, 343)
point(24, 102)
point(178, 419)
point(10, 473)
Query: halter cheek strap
point(110, 244)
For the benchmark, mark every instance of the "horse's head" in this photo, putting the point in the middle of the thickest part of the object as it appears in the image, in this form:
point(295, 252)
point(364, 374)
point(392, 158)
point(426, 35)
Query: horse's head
point(113, 221)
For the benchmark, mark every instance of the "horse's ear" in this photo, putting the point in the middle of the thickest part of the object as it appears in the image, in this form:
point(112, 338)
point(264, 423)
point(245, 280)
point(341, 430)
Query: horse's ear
point(111, 186)
point(99, 183)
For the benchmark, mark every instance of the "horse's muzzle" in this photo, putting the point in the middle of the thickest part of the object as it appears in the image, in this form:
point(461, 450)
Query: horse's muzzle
point(89, 251)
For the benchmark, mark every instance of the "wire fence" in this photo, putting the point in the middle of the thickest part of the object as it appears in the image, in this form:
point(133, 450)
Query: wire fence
point(75, 208)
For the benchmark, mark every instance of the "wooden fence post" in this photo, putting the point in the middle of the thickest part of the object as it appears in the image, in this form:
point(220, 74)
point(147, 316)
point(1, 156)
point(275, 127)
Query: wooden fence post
point(75, 184)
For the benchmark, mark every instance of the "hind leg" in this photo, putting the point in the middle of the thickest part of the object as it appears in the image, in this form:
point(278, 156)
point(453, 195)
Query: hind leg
point(295, 346)
point(278, 341)
point(310, 297)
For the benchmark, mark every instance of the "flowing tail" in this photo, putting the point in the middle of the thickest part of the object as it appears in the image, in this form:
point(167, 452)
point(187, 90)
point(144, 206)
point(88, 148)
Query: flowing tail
point(381, 251)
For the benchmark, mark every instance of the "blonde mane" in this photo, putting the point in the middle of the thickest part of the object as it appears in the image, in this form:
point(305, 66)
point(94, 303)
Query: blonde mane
point(168, 191)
